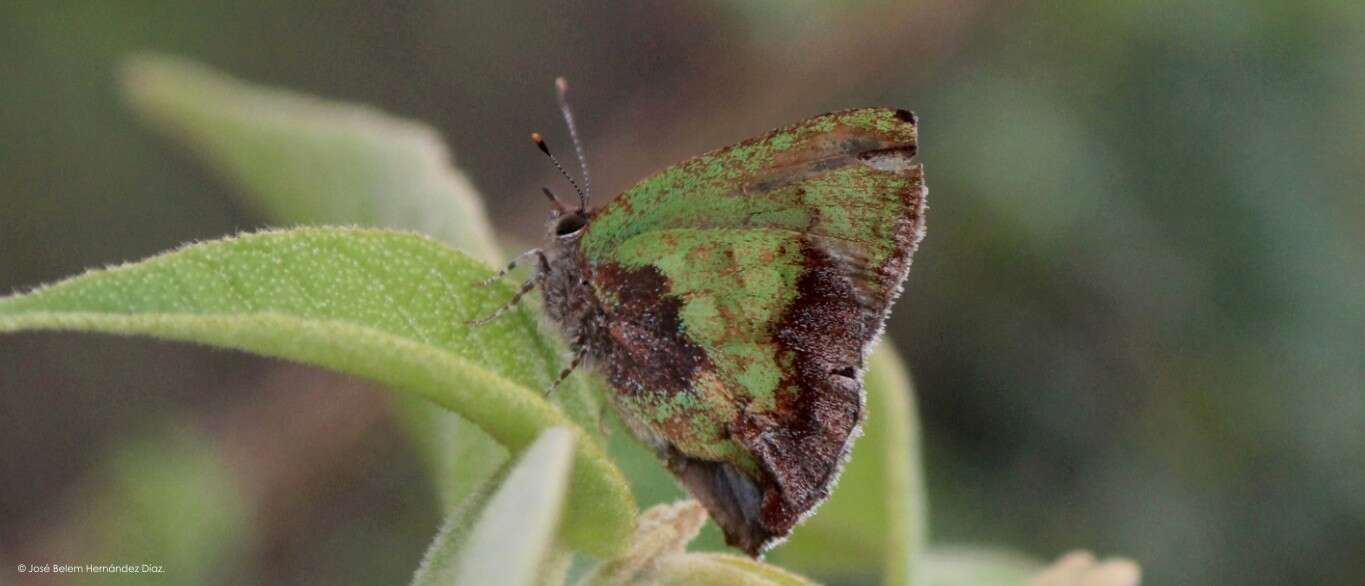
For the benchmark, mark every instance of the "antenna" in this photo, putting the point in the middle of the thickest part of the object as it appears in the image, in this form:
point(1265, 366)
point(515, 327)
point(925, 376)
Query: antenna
point(562, 92)
point(582, 197)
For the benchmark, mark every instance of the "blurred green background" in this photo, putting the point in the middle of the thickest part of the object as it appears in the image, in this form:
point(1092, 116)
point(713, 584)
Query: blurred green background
point(1137, 324)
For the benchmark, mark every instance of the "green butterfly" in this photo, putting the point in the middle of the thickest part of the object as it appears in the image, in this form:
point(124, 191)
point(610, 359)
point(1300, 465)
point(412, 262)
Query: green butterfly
point(731, 300)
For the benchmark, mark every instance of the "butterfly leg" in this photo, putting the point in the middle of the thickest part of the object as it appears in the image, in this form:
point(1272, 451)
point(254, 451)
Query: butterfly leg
point(506, 307)
point(536, 252)
point(578, 356)
point(542, 269)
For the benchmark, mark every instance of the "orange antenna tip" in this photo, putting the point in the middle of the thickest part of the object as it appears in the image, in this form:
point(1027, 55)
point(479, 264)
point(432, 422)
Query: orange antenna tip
point(562, 85)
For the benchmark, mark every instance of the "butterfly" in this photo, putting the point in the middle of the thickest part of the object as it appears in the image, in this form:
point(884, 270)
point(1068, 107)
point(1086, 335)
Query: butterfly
point(730, 302)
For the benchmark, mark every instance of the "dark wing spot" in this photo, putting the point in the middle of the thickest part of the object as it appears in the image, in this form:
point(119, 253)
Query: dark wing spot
point(644, 343)
point(906, 116)
point(898, 160)
point(857, 144)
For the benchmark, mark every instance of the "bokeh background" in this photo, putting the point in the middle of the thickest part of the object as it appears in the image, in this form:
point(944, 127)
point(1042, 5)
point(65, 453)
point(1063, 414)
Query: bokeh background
point(1137, 324)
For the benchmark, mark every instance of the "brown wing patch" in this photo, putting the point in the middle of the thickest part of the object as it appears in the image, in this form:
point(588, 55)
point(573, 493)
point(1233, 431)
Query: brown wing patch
point(828, 331)
point(803, 443)
point(643, 348)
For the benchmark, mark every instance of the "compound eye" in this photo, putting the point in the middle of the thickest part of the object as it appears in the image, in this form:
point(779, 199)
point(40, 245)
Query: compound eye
point(570, 225)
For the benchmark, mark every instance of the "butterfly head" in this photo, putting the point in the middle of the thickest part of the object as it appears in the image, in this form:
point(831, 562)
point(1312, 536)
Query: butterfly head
point(566, 222)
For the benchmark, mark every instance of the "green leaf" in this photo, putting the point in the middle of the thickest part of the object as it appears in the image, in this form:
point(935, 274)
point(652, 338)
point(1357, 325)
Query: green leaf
point(515, 535)
point(714, 569)
point(876, 515)
point(460, 457)
point(307, 160)
point(513, 541)
point(440, 562)
point(304, 159)
point(382, 305)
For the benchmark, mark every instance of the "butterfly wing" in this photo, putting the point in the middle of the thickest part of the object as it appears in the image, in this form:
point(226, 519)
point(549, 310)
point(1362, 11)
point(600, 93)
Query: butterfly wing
point(749, 285)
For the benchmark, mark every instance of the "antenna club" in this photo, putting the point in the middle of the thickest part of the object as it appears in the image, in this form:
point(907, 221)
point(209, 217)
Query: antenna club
point(561, 85)
point(540, 143)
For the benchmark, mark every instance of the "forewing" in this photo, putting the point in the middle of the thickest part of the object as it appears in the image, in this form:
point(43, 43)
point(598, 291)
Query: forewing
point(781, 257)
point(810, 178)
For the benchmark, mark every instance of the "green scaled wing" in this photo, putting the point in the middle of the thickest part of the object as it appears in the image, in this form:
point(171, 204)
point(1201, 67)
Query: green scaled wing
point(842, 176)
point(783, 255)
